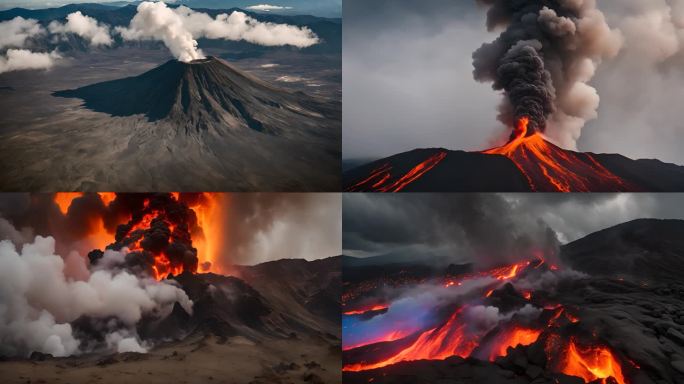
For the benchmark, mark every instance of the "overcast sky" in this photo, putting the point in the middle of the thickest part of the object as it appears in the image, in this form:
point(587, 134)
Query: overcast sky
point(407, 79)
point(494, 226)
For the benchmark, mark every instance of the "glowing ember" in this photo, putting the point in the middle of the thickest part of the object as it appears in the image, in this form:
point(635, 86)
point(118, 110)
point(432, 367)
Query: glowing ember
point(513, 338)
point(380, 179)
point(591, 363)
point(549, 168)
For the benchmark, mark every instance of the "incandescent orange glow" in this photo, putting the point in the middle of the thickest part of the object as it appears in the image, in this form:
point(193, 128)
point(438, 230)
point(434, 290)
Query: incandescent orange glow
point(379, 179)
point(361, 311)
point(392, 336)
point(209, 218)
point(551, 169)
point(439, 343)
point(64, 199)
point(107, 197)
point(98, 236)
point(513, 338)
point(591, 363)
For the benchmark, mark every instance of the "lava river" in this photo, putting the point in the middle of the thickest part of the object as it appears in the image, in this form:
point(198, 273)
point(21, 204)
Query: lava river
point(474, 327)
point(549, 168)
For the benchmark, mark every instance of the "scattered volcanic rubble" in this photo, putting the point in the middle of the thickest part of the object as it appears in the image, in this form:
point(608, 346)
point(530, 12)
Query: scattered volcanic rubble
point(611, 311)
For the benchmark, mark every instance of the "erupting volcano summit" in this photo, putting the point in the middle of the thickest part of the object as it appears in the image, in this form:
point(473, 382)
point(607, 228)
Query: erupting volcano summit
point(527, 163)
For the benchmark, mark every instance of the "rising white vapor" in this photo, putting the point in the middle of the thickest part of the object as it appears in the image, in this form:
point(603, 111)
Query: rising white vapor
point(179, 28)
point(15, 32)
point(156, 21)
point(39, 300)
point(85, 27)
point(20, 59)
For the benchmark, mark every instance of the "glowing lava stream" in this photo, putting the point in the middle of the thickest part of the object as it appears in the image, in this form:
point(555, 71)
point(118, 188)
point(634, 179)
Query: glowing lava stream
point(379, 177)
point(547, 167)
point(361, 311)
point(513, 338)
point(591, 363)
point(439, 343)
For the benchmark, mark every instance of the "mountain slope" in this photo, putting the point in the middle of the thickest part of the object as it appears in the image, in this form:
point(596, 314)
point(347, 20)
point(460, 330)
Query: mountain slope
point(645, 248)
point(201, 94)
point(539, 166)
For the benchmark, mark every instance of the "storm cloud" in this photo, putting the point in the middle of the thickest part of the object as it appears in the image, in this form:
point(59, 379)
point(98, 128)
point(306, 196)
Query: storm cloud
point(488, 228)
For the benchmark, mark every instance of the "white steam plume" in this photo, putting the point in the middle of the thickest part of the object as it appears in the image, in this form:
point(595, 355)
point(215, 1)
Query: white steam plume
point(179, 28)
point(38, 300)
point(15, 32)
point(19, 59)
point(156, 21)
point(85, 27)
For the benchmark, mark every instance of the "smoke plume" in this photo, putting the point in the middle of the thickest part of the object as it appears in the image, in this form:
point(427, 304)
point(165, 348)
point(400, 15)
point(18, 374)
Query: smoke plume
point(85, 27)
point(179, 28)
point(543, 60)
point(39, 299)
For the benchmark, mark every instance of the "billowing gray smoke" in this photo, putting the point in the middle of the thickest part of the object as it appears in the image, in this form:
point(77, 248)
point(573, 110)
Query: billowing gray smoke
point(543, 60)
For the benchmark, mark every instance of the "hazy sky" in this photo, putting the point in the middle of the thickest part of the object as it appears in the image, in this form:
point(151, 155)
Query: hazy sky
point(407, 79)
point(488, 225)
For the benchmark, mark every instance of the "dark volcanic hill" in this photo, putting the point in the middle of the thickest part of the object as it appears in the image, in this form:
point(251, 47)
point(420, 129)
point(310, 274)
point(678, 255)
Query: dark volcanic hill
point(538, 166)
point(205, 94)
point(646, 249)
point(280, 299)
point(205, 125)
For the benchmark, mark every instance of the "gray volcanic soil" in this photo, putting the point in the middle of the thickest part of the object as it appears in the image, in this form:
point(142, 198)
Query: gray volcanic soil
point(55, 143)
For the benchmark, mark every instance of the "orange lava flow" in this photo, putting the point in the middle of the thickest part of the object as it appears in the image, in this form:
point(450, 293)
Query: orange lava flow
point(392, 336)
point(513, 338)
point(591, 363)
point(209, 244)
point(550, 168)
point(379, 179)
point(361, 311)
point(64, 199)
point(435, 344)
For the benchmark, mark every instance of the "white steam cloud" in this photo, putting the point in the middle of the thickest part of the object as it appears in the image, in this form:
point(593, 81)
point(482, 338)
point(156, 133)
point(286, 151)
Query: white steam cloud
point(85, 27)
point(179, 28)
point(15, 32)
point(39, 299)
point(20, 59)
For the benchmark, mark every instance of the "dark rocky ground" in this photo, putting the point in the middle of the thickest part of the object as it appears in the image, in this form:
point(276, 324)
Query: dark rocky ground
point(630, 300)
